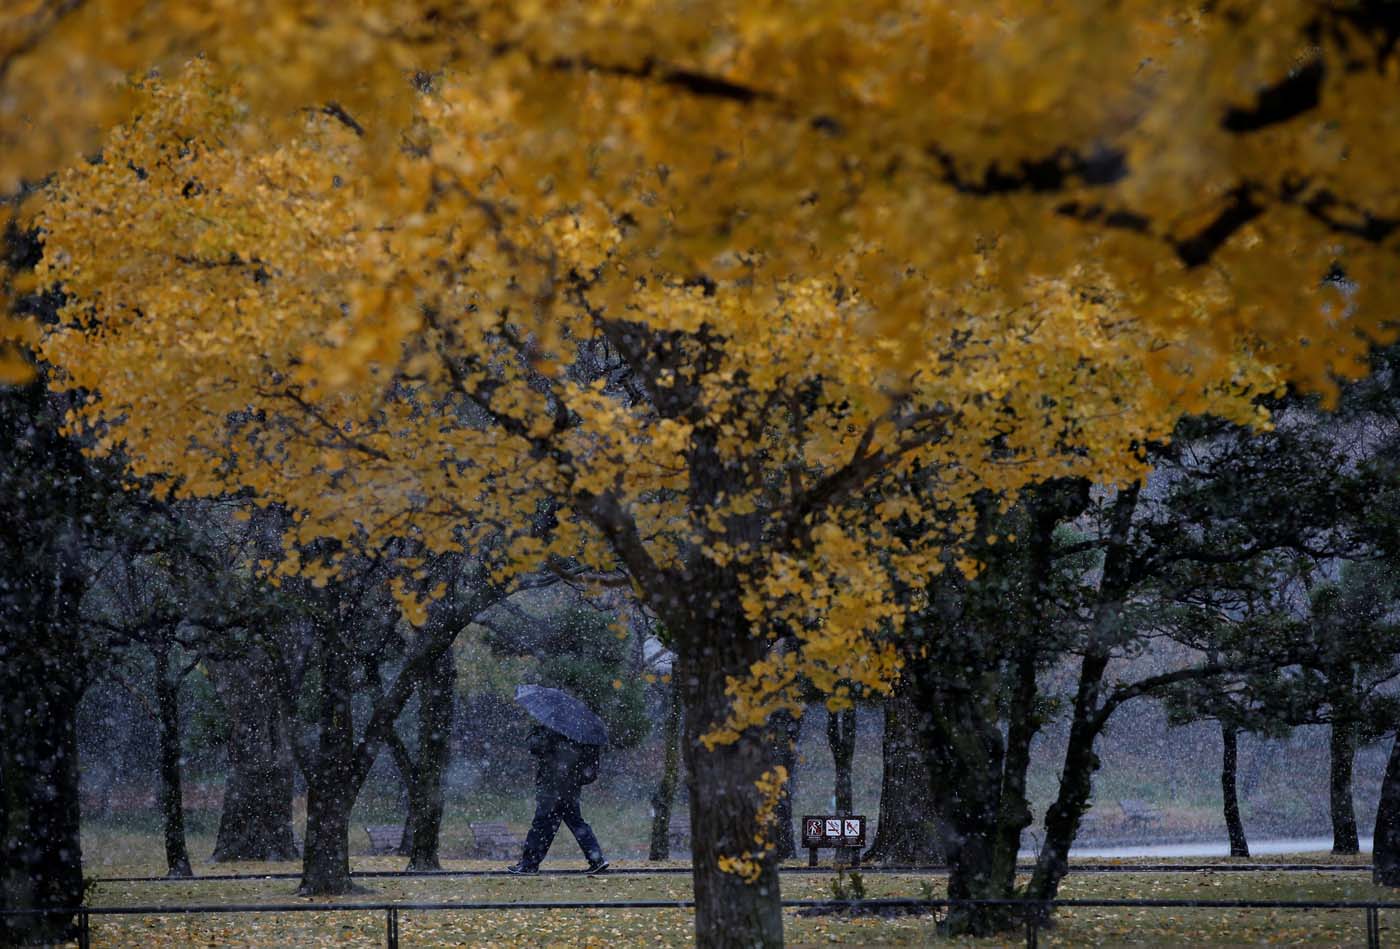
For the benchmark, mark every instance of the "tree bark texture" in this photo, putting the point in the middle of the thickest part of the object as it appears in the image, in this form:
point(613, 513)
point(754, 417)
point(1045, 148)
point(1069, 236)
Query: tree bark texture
point(172, 797)
point(256, 820)
point(1385, 852)
point(665, 794)
point(732, 910)
point(423, 832)
point(965, 756)
point(1229, 770)
point(1343, 807)
point(331, 784)
point(907, 832)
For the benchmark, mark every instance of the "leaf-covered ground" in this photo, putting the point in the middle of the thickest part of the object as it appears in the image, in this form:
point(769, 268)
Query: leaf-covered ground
point(1107, 927)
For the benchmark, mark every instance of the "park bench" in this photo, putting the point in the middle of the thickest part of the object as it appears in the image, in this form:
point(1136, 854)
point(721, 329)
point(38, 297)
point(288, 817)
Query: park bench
point(678, 832)
point(384, 838)
point(493, 840)
point(1140, 815)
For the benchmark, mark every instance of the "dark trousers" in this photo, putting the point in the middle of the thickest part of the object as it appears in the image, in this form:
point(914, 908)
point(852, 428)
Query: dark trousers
point(550, 809)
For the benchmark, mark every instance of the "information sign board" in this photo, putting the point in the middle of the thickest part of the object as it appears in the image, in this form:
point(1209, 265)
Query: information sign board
point(833, 830)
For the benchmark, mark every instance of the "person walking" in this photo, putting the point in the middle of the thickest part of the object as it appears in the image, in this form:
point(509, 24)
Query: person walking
point(563, 767)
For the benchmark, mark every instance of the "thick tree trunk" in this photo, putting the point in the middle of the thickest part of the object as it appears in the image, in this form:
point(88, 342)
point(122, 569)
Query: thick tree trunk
point(326, 860)
point(42, 580)
point(786, 729)
point(737, 895)
point(256, 820)
point(332, 784)
point(1229, 769)
point(965, 757)
point(172, 798)
point(40, 852)
point(424, 830)
point(1343, 807)
point(665, 794)
point(1385, 852)
point(907, 832)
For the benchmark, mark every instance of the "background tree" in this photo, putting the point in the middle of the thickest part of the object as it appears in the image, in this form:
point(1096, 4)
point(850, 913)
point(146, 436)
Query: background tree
point(663, 798)
point(1338, 661)
point(908, 830)
point(255, 822)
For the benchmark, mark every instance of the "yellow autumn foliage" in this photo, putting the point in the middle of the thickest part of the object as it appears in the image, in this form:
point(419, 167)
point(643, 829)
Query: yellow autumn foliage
point(247, 314)
point(1221, 158)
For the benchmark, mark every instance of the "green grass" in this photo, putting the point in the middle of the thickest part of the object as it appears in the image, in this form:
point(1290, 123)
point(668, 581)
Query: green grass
point(1075, 927)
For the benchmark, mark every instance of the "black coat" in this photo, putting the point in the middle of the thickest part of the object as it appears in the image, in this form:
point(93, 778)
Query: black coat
point(564, 766)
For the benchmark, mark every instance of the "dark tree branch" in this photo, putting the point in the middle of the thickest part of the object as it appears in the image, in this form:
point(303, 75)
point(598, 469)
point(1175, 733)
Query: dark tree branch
point(1284, 101)
point(337, 112)
point(1125, 693)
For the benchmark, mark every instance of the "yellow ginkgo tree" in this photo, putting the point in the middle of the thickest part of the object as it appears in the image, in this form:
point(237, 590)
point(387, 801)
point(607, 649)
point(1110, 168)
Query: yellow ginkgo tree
point(771, 435)
point(1226, 157)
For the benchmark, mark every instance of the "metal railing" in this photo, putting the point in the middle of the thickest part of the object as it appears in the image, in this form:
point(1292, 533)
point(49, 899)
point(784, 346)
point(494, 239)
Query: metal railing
point(865, 868)
point(1036, 914)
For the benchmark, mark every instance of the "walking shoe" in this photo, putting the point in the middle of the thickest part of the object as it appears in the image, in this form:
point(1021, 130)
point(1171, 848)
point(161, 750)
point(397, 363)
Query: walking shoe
point(521, 870)
point(596, 866)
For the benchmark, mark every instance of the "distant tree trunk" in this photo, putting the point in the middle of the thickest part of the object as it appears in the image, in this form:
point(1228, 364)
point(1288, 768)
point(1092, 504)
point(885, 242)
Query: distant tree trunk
point(1229, 761)
point(1385, 850)
point(665, 794)
point(1343, 807)
point(337, 770)
point(172, 798)
point(907, 832)
point(1022, 723)
point(423, 833)
point(786, 729)
point(1090, 710)
point(331, 785)
point(255, 822)
point(1076, 783)
point(841, 738)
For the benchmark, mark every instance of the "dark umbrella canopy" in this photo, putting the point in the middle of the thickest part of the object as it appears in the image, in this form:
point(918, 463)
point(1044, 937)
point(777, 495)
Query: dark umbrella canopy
point(561, 712)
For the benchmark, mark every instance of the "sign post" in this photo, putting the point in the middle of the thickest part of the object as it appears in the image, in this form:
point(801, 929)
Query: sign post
point(838, 831)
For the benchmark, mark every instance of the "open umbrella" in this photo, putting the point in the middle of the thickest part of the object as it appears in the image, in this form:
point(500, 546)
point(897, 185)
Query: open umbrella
point(561, 712)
